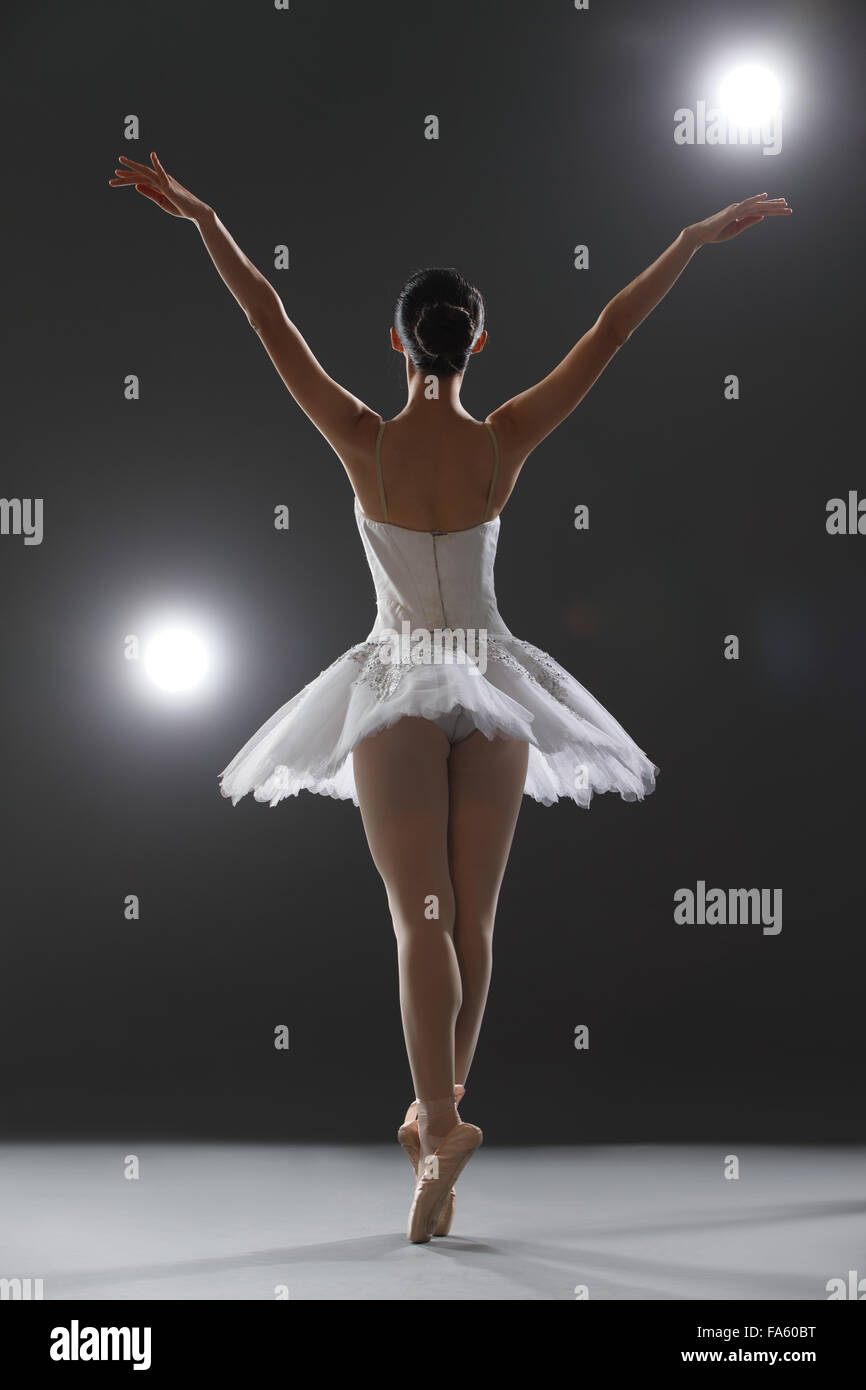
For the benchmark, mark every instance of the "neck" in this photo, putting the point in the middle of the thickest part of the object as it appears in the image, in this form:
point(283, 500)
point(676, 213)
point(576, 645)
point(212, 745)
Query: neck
point(417, 386)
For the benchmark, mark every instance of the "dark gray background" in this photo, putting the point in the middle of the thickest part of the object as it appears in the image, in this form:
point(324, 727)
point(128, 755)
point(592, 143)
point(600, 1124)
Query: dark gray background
point(707, 518)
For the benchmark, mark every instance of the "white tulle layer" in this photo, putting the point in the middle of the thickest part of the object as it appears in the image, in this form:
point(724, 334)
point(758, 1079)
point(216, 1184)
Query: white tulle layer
point(576, 747)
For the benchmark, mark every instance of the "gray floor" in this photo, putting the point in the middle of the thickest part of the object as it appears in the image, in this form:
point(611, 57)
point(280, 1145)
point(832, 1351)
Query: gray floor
point(235, 1222)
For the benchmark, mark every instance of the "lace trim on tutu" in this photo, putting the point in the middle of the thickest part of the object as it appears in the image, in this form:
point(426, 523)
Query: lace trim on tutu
point(385, 677)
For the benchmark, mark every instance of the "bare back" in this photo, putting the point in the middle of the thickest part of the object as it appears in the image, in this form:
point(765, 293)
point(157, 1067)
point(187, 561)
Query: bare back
point(439, 471)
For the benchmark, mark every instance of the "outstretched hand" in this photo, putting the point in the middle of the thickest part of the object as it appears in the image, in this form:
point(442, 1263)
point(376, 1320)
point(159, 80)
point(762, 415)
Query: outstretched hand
point(154, 183)
point(738, 216)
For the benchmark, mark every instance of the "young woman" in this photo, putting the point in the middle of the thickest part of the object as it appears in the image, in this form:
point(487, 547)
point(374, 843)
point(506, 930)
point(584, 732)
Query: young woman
point(435, 737)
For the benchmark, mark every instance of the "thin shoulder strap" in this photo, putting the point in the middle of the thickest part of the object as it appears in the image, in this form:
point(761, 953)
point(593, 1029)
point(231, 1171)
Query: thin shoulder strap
point(495, 468)
point(379, 470)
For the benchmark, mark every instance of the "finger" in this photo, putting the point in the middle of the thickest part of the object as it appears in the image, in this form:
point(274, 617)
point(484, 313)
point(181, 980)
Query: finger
point(142, 168)
point(156, 161)
point(125, 180)
point(764, 203)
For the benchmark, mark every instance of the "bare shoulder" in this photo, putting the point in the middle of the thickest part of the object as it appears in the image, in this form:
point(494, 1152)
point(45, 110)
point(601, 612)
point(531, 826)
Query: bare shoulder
point(512, 454)
point(505, 430)
point(356, 452)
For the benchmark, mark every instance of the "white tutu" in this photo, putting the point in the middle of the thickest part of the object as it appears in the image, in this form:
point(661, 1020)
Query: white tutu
point(432, 582)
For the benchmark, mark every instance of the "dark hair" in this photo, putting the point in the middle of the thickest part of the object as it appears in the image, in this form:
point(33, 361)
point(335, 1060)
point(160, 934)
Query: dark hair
point(438, 318)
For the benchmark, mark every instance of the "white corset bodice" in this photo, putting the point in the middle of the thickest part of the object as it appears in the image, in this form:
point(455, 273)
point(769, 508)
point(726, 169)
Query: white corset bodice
point(432, 579)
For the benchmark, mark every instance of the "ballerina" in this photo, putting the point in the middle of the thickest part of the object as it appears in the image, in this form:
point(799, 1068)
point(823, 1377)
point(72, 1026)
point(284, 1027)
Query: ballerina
point(437, 738)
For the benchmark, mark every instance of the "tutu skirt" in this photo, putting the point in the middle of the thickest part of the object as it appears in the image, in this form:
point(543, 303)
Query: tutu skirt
point(576, 748)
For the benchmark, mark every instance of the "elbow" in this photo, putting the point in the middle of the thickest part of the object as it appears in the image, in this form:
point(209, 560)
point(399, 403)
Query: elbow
point(614, 330)
point(260, 314)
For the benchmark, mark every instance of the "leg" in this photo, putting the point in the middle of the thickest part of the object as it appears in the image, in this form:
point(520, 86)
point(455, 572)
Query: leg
point(401, 776)
point(487, 777)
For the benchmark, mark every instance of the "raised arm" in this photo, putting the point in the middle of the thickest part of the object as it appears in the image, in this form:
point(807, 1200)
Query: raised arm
point(333, 410)
point(528, 418)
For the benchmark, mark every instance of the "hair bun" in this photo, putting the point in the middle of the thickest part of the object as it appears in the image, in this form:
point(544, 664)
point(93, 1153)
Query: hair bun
point(444, 329)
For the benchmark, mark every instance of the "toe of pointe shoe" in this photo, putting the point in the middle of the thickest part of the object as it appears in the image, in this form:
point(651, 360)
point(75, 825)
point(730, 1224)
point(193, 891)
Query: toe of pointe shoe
point(418, 1226)
point(446, 1220)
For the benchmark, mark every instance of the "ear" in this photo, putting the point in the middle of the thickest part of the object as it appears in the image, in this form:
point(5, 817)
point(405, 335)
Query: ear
point(481, 341)
point(395, 341)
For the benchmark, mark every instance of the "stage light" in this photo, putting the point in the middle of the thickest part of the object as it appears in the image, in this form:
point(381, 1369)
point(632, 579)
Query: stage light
point(749, 95)
point(176, 659)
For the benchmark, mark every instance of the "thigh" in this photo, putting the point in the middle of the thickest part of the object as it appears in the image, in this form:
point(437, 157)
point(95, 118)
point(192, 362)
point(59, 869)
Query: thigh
point(401, 777)
point(486, 781)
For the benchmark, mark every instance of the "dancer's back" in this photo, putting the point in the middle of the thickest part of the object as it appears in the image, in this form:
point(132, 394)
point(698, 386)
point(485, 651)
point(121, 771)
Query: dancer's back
point(436, 467)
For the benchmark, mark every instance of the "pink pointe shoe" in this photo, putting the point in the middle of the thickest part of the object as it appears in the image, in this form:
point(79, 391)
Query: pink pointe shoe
point(407, 1136)
point(439, 1172)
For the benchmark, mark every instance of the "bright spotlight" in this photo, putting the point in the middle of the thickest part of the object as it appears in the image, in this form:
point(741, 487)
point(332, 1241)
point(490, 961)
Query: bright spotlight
point(749, 95)
point(176, 659)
